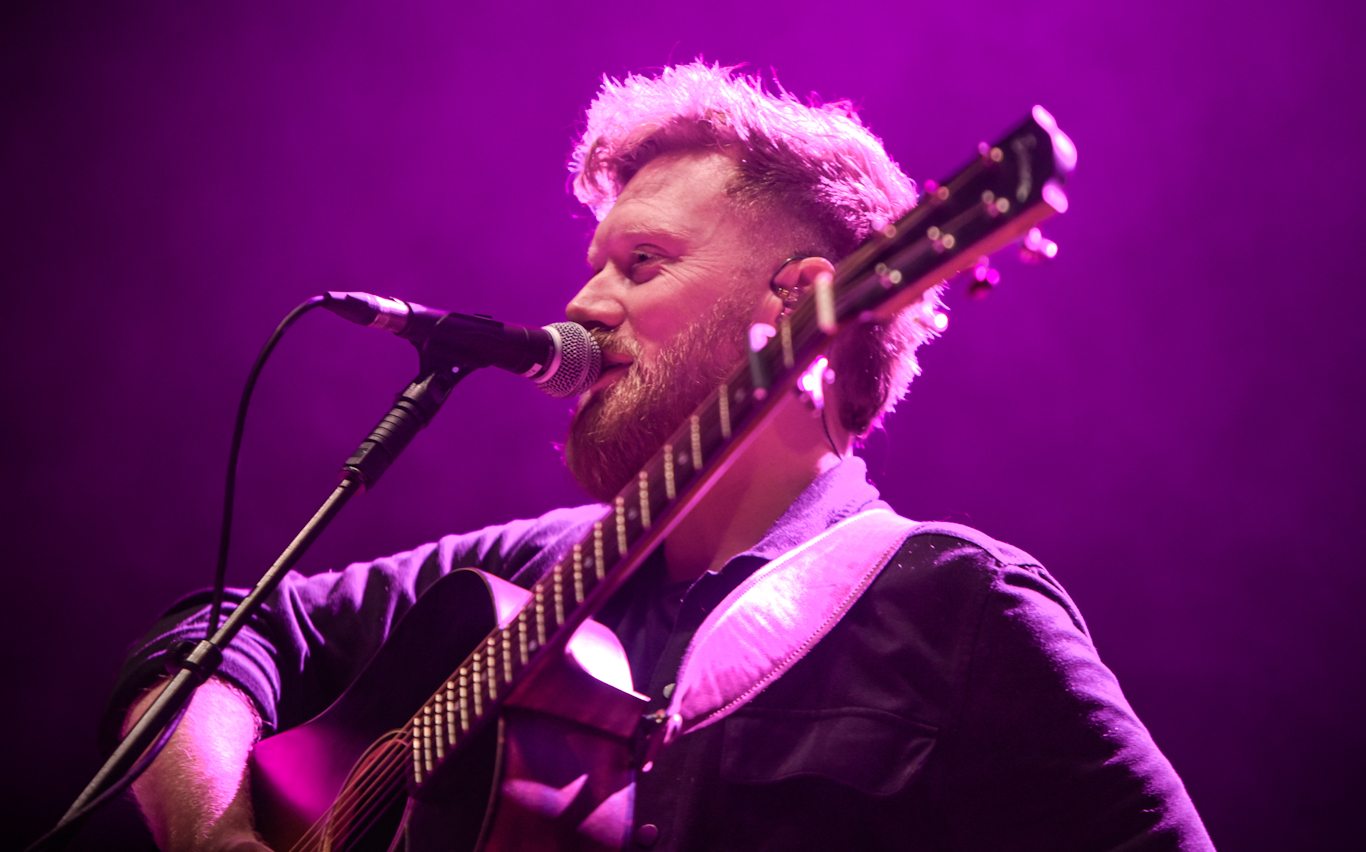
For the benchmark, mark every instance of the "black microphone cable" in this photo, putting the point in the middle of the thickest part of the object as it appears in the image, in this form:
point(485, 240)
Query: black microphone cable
point(582, 363)
point(65, 829)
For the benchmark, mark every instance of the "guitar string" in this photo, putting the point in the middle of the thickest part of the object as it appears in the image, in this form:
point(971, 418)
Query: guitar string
point(325, 835)
point(320, 835)
point(341, 837)
point(366, 801)
point(356, 798)
point(387, 781)
point(382, 779)
point(359, 826)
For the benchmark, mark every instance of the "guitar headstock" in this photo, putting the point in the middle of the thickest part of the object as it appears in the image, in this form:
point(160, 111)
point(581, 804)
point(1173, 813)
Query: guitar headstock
point(998, 197)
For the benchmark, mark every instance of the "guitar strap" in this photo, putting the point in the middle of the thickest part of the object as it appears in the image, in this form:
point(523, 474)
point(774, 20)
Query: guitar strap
point(772, 619)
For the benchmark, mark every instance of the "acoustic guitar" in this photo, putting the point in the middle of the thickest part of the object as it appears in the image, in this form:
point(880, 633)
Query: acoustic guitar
point(527, 732)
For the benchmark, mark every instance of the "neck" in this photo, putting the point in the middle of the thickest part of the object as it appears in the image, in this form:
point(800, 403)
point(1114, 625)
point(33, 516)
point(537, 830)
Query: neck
point(784, 458)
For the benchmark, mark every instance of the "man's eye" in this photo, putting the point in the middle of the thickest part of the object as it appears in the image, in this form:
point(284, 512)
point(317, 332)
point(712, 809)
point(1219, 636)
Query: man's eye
point(643, 265)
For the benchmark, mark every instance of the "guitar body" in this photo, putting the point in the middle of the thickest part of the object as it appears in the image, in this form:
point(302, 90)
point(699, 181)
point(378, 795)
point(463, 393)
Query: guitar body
point(553, 772)
point(558, 785)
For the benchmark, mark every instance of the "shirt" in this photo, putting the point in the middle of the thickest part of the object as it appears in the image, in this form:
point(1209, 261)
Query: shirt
point(959, 705)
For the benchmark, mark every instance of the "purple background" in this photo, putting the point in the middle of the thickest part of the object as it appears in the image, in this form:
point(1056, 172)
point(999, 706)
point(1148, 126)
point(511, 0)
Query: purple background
point(1168, 415)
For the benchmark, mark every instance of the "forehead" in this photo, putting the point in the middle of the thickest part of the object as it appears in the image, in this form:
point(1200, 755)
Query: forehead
point(679, 196)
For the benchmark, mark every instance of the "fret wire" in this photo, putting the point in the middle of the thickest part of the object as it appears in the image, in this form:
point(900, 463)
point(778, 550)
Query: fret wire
point(669, 488)
point(559, 595)
point(464, 700)
point(450, 711)
point(578, 581)
point(427, 738)
point(491, 668)
point(507, 656)
point(695, 427)
point(475, 681)
point(540, 616)
point(524, 652)
point(597, 551)
point(644, 500)
point(439, 724)
point(621, 525)
point(417, 763)
point(578, 571)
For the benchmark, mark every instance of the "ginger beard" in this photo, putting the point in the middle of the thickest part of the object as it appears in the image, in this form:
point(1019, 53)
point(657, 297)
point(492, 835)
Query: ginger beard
point(617, 429)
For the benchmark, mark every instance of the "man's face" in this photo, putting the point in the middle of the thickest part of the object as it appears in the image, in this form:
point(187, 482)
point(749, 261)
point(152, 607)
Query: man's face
point(675, 283)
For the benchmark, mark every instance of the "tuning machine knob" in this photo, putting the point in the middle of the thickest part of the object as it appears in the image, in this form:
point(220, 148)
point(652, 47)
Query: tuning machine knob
point(1036, 248)
point(984, 279)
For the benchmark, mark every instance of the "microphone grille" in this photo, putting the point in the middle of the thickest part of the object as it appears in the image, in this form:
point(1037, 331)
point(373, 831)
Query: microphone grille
point(578, 365)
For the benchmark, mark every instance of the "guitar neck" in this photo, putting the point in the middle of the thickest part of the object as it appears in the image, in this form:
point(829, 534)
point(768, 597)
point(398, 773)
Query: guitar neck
point(996, 198)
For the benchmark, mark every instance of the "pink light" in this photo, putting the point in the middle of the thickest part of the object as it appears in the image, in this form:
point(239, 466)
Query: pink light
point(1054, 197)
point(1063, 148)
point(759, 333)
point(597, 651)
point(1036, 247)
point(983, 272)
point(810, 382)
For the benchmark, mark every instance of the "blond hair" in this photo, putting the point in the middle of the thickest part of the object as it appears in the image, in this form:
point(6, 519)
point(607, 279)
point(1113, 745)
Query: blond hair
point(812, 169)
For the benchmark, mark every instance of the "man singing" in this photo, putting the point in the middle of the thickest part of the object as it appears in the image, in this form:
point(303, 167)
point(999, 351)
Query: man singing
point(959, 704)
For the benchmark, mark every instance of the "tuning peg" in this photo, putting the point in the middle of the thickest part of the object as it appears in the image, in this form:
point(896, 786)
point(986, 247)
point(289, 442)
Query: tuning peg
point(812, 382)
point(984, 279)
point(928, 316)
point(1036, 248)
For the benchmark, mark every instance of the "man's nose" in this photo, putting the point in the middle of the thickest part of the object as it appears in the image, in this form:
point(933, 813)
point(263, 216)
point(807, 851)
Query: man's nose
point(598, 304)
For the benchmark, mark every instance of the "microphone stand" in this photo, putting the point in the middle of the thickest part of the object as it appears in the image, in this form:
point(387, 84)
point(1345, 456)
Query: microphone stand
point(413, 409)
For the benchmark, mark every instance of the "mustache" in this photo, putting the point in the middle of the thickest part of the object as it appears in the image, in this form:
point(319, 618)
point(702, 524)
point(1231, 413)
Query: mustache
point(611, 343)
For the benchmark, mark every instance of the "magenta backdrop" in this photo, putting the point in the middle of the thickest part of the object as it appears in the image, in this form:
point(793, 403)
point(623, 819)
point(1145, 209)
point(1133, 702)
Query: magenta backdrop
point(1169, 416)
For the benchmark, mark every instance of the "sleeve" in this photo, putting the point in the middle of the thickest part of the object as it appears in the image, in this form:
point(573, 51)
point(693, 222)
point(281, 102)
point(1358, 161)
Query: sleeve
point(1046, 753)
point(314, 635)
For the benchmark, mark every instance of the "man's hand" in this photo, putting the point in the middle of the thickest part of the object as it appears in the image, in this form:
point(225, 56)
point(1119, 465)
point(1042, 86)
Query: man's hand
point(196, 796)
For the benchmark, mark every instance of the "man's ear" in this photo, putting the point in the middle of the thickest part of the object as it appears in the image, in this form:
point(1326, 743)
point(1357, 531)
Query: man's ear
point(796, 279)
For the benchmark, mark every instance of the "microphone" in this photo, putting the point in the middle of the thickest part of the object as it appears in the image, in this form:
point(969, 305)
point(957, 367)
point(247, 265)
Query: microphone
point(562, 359)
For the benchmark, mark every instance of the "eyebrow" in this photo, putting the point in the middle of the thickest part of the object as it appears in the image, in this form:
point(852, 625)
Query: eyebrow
point(639, 235)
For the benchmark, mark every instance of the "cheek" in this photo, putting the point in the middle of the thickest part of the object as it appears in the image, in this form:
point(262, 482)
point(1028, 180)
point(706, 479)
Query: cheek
point(657, 319)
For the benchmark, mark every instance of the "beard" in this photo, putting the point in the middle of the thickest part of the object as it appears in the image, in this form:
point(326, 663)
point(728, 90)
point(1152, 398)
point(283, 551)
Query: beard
point(617, 429)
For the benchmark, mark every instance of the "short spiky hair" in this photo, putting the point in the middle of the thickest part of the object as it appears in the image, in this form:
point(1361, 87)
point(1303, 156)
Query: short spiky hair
point(813, 170)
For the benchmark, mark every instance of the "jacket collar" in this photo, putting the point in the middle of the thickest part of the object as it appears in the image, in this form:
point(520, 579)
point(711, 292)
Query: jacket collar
point(839, 492)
